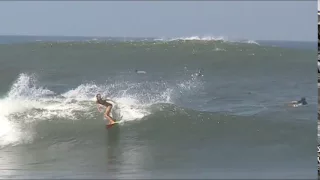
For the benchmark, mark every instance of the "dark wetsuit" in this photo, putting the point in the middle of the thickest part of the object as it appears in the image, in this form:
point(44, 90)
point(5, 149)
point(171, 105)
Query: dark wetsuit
point(302, 101)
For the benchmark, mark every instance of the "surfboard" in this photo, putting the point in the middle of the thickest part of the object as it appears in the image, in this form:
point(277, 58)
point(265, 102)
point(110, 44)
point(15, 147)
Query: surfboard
point(111, 125)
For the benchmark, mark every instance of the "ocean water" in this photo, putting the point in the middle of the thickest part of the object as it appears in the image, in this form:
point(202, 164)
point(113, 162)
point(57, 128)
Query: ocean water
point(232, 122)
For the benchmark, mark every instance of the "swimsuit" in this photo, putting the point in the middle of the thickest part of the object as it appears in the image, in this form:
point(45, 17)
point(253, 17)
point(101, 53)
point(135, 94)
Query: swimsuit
point(104, 102)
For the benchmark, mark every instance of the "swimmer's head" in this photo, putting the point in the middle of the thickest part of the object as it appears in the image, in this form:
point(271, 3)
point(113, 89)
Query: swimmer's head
point(303, 101)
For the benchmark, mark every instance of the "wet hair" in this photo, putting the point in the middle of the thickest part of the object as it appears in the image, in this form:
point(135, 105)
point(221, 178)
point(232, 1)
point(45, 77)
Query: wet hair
point(303, 101)
point(98, 96)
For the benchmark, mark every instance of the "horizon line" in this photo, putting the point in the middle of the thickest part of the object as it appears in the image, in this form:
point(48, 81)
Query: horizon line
point(154, 37)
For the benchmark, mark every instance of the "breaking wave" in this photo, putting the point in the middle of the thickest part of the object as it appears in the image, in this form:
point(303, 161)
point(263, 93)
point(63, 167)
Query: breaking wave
point(27, 103)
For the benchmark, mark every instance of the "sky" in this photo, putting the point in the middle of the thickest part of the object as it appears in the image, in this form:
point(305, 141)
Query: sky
point(269, 20)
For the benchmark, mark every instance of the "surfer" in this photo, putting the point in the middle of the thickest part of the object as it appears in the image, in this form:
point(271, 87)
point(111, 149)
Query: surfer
point(302, 101)
point(103, 102)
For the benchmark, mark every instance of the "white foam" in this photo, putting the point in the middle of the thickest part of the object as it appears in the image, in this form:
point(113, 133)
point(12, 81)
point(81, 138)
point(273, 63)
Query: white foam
point(15, 102)
point(126, 107)
point(129, 104)
point(24, 87)
point(252, 42)
point(9, 131)
point(219, 49)
point(200, 38)
point(129, 109)
point(27, 102)
point(83, 92)
point(206, 38)
point(194, 38)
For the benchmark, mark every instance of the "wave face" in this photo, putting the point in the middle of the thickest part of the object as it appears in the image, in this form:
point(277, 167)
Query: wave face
point(28, 103)
point(183, 105)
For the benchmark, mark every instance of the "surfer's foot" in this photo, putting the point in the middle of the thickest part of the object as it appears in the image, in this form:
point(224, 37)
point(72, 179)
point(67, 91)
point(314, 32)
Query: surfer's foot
point(110, 123)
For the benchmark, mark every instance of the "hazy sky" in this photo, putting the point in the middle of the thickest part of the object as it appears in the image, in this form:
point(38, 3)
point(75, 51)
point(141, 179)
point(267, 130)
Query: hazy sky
point(271, 20)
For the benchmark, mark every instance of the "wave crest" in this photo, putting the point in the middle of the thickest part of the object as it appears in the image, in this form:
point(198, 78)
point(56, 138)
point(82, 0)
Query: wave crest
point(206, 38)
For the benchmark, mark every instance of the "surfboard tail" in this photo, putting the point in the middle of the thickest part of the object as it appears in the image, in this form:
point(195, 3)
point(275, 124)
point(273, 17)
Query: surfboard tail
point(111, 125)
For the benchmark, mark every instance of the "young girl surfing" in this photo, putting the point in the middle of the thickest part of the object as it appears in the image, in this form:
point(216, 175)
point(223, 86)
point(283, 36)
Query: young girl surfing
point(103, 102)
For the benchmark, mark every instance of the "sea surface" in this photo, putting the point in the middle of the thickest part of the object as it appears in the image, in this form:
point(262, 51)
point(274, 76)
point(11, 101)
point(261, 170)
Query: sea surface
point(230, 121)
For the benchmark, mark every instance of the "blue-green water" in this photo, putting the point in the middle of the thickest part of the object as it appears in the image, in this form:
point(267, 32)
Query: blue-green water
point(232, 122)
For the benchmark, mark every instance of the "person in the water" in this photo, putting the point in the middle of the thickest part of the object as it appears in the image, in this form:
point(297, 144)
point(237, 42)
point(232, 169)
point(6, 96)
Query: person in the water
point(301, 102)
point(103, 102)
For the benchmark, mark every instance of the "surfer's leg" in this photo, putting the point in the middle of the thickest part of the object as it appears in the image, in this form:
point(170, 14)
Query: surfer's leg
point(107, 114)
